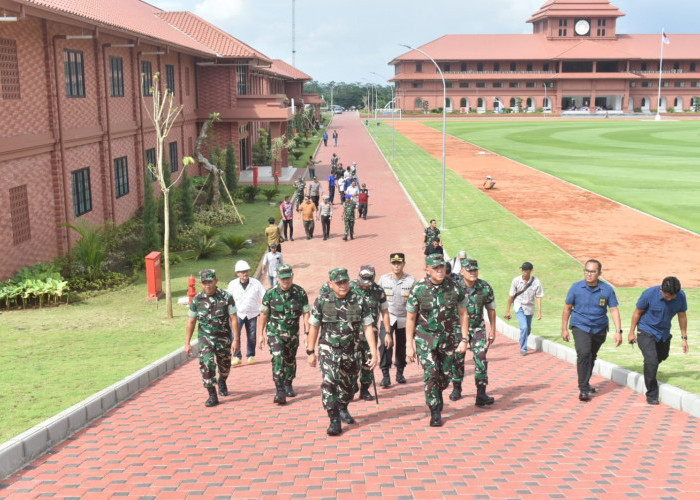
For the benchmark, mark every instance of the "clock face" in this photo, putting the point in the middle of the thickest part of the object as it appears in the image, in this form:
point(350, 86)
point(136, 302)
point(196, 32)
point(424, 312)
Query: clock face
point(582, 27)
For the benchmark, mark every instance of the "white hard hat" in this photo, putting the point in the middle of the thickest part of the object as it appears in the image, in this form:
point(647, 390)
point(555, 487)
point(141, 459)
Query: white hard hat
point(242, 265)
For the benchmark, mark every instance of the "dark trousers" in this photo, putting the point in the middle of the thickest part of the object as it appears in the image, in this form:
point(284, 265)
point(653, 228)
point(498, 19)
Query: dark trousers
point(288, 224)
point(314, 200)
point(587, 347)
point(251, 330)
point(309, 228)
point(385, 355)
point(331, 193)
point(326, 225)
point(654, 352)
point(362, 210)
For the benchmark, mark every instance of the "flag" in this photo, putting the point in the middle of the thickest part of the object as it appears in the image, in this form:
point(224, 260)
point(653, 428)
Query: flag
point(665, 38)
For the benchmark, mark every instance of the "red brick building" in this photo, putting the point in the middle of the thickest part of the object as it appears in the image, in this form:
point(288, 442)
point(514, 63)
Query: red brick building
point(574, 61)
point(75, 136)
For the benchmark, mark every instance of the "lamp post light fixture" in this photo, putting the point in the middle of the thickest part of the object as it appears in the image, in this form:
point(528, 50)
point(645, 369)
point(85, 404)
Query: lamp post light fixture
point(544, 108)
point(444, 121)
point(393, 128)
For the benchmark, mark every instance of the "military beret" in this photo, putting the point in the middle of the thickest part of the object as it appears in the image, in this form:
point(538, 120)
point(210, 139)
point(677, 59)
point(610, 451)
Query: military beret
point(472, 265)
point(284, 271)
point(207, 275)
point(435, 260)
point(339, 274)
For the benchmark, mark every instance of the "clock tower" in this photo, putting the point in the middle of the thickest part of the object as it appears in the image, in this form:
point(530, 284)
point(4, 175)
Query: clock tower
point(576, 19)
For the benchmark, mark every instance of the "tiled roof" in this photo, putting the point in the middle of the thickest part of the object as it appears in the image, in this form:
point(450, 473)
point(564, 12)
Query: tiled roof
point(288, 71)
point(576, 8)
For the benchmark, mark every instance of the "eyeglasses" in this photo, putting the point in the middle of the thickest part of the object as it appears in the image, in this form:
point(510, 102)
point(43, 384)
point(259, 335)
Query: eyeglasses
point(590, 271)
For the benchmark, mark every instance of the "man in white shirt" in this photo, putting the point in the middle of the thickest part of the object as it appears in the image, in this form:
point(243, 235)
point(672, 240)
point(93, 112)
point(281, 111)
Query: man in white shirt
point(524, 291)
point(247, 293)
point(354, 191)
point(272, 260)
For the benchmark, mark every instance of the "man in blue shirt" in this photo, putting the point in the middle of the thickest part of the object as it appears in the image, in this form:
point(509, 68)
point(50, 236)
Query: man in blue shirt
point(655, 309)
point(587, 305)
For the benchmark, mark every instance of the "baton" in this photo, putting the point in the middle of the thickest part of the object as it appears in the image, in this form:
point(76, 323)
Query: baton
point(374, 382)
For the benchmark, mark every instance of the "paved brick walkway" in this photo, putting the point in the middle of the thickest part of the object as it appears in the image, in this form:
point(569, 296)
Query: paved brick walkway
point(537, 440)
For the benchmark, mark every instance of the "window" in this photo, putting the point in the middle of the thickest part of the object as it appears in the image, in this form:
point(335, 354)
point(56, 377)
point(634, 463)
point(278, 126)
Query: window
point(480, 85)
point(647, 85)
point(82, 197)
point(562, 32)
point(447, 67)
point(418, 103)
point(601, 31)
point(695, 84)
point(644, 66)
point(172, 148)
point(417, 85)
point(463, 67)
point(633, 84)
point(463, 102)
point(530, 85)
point(676, 66)
point(496, 67)
point(448, 85)
point(170, 78)
point(679, 84)
point(514, 85)
point(545, 67)
point(75, 77)
point(116, 76)
point(121, 177)
point(692, 66)
point(480, 66)
point(529, 67)
point(512, 102)
point(497, 85)
point(464, 85)
point(513, 66)
point(19, 214)
point(151, 160)
point(147, 78)
point(187, 81)
point(419, 67)
point(9, 70)
point(563, 22)
point(242, 79)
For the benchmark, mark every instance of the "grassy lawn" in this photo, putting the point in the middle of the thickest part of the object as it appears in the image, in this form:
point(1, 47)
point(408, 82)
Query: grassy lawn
point(651, 166)
point(501, 243)
point(66, 353)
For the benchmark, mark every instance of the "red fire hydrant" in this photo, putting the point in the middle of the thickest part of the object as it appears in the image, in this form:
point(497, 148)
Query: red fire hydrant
point(191, 290)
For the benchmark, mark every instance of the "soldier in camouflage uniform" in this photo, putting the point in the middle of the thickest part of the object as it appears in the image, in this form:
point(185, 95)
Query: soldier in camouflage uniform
point(341, 315)
point(282, 306)
point(480, 295)
point(299, 187)
point(215, 311)
point(349, 217)
point(434, 307)
point(376, 296)
point(431, 233)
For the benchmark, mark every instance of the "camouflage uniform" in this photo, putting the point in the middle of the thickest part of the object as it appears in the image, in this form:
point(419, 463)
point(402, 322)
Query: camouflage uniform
point(341, 322)
point(376, 297)
point(437, 320)
point(299, 186)
point(284, 308)
point(214, 333)
point(431, 233)
point(349, 218)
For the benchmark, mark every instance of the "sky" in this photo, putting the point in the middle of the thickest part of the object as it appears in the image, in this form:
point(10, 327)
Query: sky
point(349, 41)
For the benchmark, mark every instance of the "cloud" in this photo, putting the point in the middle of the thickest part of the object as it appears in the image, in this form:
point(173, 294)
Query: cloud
point(218, 11)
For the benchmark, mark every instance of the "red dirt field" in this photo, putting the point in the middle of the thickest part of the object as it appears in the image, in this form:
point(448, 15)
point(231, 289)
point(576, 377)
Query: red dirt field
point(636, 249)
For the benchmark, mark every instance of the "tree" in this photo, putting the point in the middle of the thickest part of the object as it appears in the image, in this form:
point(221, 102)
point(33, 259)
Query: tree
point(150, 237)
point(163, 115)
point(261, 148)
point(230, 170)
point(186, 199)
point(278, 144)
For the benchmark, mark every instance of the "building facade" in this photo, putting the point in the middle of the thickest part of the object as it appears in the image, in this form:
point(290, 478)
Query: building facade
point(75, 93)
point(574, 62)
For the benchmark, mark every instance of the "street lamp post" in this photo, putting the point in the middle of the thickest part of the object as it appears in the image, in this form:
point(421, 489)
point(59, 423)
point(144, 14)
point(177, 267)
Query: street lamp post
point(444, 121)
point(544, 108)
point(393, 127)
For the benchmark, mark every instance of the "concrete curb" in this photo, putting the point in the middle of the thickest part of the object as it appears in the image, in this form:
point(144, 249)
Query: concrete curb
point(668, 394)
point(22, 449)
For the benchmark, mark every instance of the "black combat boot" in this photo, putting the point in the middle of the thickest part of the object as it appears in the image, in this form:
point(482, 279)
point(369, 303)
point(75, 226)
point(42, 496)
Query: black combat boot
point(456, 394)
point(399, 375)
point(334, 429)
point(386, 380)
point(483, 399)
point(435, 417)
point(281, 396)
point(223, 389)
point(345, 415)
point(213, 399)
point(289, 390)
point(365, 394)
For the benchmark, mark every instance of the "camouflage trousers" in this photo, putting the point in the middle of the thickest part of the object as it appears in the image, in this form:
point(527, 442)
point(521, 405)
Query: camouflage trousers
point(363, 356)
point(339, 369)
point(214, 351)
point(436, 358)
point(350, 228)
point(479, 347)
point(284, 357)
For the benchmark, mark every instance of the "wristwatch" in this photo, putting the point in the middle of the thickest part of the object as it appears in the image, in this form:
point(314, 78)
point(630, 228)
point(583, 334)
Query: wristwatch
point(309, 352)
point(619, 331)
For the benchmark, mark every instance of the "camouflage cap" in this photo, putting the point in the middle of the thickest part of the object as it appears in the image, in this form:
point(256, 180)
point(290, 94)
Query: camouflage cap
point(367, 274)
point(339, 274)
point(284, 271)
point(207, 275)
point(435, 260)
point(472, 265)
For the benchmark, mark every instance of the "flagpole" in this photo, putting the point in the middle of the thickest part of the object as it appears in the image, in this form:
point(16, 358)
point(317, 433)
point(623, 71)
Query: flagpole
point(661, 65)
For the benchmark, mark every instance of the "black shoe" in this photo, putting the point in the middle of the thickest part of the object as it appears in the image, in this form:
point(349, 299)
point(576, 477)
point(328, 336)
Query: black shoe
point(483, 399)
point(289, 390)
point(592, 389)
point(281, 396)
point(345, 238)
point(456, 394)
point(213, 399)
point(386, 380)
point(435, 418)
point(345, 415)
point(223, 389)
point(399, 376)
point(291, 239)
point(653, 401)
point(334, 429)
point(365, 394)
point(584, 396)
point(325, 238)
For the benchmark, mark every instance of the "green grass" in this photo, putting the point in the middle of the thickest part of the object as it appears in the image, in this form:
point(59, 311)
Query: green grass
point(56, 357)
point(501, 242)
point(648, 165)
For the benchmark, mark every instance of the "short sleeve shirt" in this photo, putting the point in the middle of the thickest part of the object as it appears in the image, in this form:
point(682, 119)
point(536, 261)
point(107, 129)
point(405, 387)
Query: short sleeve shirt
point(590, 312)
point(658, 313)
point(284, 308)
point(213, 313)
point(376, 297)
point(436, 306)
point(480, 295)
point(526, 299)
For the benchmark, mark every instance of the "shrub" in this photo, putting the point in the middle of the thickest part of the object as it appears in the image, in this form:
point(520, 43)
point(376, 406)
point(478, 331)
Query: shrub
point(297, 154)
point(270, 193)
point(186, 199)
point(250, 192)
point(109, 280)
point(150, 237)
point(34, 285)
point(90, 249)
point(204, 246)
point(230, 169)
point(234, 243)
point(222, 217)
